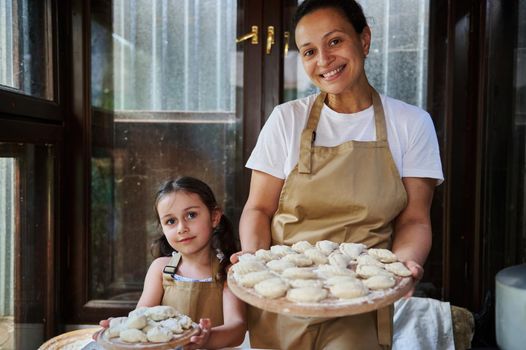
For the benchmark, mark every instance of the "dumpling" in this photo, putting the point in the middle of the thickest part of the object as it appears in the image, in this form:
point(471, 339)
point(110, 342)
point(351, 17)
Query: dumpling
point(298, 273)
point(298, 259)
point(159, 334)
point(338, 259)
point(317, 257)
point(301, 246)
point(265, 255)
point(244, 267)
point(349, 289)
point(367, 271)
point(380, 282)
point(326, 247)
point(384, 255)
point(133, 335)
point(279, 265)
point(281, 250)
point(352, 250)
point(307, 294)
point(368, 260)
point(398, 268)
point(161, 312)
point(250, 279)
point(272, 288)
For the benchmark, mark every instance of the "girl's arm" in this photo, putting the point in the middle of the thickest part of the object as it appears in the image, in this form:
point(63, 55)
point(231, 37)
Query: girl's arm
point(412, 228)
point(231, 333)
point(152, 293)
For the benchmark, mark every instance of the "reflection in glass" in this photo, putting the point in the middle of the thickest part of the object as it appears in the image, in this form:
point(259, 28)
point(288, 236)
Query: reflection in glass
point(26, 211)
point(25, 47)
point(397, 61)
point(164, 105)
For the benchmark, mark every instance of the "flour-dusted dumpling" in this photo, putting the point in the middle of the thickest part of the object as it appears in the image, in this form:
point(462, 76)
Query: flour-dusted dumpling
point(349, 289)
point(302, 246)
point(265, 255)
point(326, 247)
point(272, 288)
point(161, 312)
point(334, 280)
point(173, 325)
point(279, 265)
point(380, 282)
point(384, 255)
point(184, 321)
point(159, 334)
point(115, 331)
point(338, 259)
point(133, 335)
point(137, 322)
point(299, 283)
point(115, 321)
point(368, 260)
point(352, 250)
point(244, 267)
point(150, 325)
point(300, 260)
point(281, 250)
point(326, 271)
point(250, 279)
point(306, 294)
point(298, 273)
point(142, 310)
point(398, 268)
point(249, 257)
point(317, 257)
point(367, 271)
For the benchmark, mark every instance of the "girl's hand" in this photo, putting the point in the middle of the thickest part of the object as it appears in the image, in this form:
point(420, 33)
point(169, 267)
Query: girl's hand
point(198, 341)
point(417, 273)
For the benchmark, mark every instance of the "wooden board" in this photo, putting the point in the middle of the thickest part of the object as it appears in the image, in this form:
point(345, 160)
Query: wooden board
point(330, 307)
point(70, 339)
point(178, 340)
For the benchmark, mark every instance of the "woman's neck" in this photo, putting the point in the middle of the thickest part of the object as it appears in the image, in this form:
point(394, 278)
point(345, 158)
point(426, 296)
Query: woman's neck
point(351, 101)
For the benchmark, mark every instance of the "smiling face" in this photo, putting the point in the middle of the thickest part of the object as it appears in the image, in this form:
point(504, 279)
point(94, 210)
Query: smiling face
point(332, 53)
point(186, 222)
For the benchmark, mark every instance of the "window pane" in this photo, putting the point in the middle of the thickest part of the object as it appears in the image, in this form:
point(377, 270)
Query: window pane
point(25, 47)
point(164, 105)
point(397, 61)
point(26, 208)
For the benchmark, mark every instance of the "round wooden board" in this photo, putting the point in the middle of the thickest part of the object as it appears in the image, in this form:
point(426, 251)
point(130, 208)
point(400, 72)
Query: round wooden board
point(330, 307)
point(178, 340)
point(69, 339)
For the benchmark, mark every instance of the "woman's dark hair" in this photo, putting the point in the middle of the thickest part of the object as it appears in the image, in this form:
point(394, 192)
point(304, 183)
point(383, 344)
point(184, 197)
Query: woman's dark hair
point(350, 8)
point(223, 237)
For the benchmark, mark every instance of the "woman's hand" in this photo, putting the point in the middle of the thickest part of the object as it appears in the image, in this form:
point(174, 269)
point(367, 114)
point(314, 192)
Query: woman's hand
point(417, 272)
point(198, 341)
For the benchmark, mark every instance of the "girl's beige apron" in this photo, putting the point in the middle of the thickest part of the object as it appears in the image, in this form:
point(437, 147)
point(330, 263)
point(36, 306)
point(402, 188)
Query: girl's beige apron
point(195, 299)
point(348, 193)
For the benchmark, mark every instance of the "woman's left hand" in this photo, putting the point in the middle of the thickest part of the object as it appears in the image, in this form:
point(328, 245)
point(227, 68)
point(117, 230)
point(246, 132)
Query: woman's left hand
point(198, 341)
point(417, 272)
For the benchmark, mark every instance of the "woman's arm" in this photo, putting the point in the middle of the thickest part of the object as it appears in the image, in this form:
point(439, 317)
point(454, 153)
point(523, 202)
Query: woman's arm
point(152, 292)
point(231, 333)
point(412, 228)
point(262, 203)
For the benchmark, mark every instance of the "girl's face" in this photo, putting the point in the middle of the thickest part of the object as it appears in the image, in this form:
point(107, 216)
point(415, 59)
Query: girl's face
point(332, 53)
point(186, 222)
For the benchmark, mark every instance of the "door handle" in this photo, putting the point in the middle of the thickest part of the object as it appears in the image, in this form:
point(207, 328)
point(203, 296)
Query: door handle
point(286, 36)
point(270, 38)
point(253, 35)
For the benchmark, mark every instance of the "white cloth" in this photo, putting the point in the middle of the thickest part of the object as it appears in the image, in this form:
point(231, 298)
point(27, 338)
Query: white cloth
point(422, 323)
point(410, 133)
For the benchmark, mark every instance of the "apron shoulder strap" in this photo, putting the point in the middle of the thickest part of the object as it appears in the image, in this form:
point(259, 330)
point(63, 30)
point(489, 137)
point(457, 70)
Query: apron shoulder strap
point(171, 268)
point(308, 136)
point(379, 117)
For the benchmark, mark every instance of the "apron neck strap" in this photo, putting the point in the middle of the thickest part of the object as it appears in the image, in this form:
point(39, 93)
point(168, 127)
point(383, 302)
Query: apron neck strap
point(308, 136)
point(171, 268)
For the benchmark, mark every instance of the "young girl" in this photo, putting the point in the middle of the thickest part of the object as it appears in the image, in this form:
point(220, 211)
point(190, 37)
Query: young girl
point(189, 272)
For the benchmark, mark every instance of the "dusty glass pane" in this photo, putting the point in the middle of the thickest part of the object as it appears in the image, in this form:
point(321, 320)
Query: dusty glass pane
point(397, 61)
point(26, 199)
point(25, 47)
point(164, 95)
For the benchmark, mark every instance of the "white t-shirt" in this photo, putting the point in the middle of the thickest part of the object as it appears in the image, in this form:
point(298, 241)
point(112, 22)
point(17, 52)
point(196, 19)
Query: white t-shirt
point(410, 133)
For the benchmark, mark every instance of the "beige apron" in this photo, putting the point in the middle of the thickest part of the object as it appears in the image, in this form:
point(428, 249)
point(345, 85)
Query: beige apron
point(348, 193)
point(195, 299)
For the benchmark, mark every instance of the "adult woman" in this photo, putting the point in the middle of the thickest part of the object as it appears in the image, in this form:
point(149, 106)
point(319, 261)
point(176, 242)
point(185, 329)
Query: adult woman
point(346, 165)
